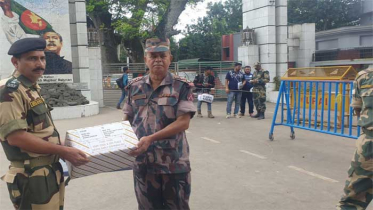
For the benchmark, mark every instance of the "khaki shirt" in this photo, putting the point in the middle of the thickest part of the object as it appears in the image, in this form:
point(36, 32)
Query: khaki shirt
point(23, 108)
point(262, 76)
point(362, 97)
point(151, 111)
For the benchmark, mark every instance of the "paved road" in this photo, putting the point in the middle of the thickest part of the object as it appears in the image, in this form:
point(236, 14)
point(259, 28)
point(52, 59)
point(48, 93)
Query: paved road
point(234, 167)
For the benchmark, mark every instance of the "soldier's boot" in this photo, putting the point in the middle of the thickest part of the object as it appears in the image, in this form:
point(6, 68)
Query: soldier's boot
point(199, 114)
point(257, 114)
point(261, 116)
point(210, 115)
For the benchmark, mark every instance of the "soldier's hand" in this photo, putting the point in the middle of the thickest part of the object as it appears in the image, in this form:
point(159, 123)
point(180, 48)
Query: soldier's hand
point(142, 146)
point(74, 156)
point(227, 90)
point(357, 111)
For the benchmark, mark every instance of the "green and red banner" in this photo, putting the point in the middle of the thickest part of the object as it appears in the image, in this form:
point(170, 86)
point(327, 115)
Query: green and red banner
point(30, 22)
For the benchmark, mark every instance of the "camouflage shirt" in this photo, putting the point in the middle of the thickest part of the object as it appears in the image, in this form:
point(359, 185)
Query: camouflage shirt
point(152, 110)
point(362, 97)
point(262, 76)
point(22, 108)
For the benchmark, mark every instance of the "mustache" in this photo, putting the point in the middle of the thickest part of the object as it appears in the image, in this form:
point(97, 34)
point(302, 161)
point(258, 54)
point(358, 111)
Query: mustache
point(39, 69)
point(52, 44)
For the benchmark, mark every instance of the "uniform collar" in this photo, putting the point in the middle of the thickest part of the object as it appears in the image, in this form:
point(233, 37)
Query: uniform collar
point(166, 81)
point(24, 80)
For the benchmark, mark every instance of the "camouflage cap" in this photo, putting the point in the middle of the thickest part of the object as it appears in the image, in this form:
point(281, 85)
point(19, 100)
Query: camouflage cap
point(157, 45)
point(257, 64)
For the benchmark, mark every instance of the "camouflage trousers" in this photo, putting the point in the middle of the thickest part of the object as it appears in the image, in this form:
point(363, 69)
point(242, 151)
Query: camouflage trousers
point(359, 187)
point(162, 191)
point(259, 97)
point(41, 189)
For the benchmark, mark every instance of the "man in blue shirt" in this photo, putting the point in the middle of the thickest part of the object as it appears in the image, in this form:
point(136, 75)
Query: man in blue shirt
point(125, 83)
point(234, 81)
point(246, 94)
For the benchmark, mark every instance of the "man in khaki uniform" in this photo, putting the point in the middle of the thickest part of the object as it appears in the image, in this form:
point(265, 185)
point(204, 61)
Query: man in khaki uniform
point(28, 135)
point(359, 186)
point(159, 108)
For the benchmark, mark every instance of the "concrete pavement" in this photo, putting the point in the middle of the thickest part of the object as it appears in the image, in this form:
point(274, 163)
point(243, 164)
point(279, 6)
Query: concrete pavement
point(234, 167)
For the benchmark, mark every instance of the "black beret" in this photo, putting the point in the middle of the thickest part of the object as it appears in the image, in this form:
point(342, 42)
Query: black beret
point(26, 45)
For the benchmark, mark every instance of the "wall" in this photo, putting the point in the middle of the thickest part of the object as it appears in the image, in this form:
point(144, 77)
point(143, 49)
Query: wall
point(301, 44)
point(236, 43)
point(248, 55)
point(79, 44)
point(269, 20)
point(345, 38)
point(95, 67)
point(367, 10)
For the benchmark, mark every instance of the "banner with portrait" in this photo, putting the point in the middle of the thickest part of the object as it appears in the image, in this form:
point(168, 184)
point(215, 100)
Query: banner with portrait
point(48, 19)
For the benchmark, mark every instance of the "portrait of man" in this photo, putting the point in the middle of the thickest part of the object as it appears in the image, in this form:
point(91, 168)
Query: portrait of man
point(19, 22)
point(56, 64)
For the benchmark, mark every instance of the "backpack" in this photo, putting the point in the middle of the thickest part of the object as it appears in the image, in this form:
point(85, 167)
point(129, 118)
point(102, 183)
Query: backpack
point(119, 82)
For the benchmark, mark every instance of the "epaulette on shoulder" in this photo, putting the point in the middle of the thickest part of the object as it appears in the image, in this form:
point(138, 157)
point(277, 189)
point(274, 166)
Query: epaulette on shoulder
point(365, 71)
point(134, 80)
point(12, 84)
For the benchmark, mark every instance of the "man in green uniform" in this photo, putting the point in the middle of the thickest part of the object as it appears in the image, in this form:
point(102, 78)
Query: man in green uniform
point(359, 186)
point(159, 108)
point(28, 135)
point(260, 78)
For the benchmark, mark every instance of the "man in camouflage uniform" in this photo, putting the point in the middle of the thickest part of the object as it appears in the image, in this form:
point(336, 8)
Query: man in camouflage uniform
point(260, 78)
point(28, 135)
point(159, 108)
point(359, 186)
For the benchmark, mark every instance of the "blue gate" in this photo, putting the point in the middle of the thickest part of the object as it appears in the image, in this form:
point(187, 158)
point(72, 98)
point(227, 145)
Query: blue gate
point(320, 106)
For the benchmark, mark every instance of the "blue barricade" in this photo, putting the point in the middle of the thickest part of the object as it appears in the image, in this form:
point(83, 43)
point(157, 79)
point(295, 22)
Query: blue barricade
point(319, 106)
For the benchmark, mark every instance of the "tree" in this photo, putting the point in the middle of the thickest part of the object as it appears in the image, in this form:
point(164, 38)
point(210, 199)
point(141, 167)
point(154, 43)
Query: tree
point(129, 22)
point(203, 39)
point(327, 14)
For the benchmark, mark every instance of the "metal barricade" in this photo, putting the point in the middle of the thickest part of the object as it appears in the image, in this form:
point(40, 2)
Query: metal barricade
point(314, 105)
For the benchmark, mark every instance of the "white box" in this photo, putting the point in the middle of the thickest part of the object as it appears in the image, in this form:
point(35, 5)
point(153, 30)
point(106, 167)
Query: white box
point(107, 147)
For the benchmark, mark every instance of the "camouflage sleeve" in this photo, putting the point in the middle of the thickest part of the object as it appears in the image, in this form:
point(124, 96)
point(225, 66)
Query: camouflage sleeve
point(185, 104)
point(356, 98)
point(265, 78)
point(12, 113)
point(127, 108)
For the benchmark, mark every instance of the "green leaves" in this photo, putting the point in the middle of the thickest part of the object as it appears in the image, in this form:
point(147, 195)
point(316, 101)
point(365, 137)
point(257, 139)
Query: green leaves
point(203, 39)
point(327, 14)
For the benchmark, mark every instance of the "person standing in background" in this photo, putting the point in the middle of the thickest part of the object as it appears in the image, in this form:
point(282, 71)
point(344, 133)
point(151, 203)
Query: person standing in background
point(234, 81)
point(204, 83)
point(122, 83)
point(246, 94)
point(260, 79)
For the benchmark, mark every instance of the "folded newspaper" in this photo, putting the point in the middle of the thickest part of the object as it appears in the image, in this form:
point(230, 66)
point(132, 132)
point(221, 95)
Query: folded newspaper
point(107, 146)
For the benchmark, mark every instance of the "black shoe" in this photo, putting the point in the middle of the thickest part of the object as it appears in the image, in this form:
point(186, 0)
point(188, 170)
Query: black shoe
point(257, 115)
point(118, 106)
point(261, 116)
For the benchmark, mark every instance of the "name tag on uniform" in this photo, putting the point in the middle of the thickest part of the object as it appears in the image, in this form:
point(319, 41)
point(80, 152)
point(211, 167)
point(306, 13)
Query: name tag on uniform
point(366, 86)
point(36, 102)
point(141, 96)
point(164, 95)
